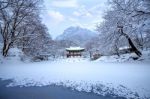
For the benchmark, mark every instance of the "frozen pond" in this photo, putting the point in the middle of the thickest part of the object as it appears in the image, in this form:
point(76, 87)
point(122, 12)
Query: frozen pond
point(45, 92)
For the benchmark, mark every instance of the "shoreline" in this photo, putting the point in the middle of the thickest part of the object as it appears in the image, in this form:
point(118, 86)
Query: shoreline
point(45, 92)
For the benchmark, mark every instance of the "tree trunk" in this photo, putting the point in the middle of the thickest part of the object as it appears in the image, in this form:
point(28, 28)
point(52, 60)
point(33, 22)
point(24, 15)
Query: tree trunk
point(90, 54)
point(134, 49)
point(5, 49)
point(117, 50)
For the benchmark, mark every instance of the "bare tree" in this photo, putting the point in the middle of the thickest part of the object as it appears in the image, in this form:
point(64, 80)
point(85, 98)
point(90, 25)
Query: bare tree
point(12, 17)
point(4, 4)
point(126, 19)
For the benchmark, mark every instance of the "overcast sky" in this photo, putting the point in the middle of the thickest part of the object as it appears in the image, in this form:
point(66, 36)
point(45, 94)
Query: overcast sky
point(61, 14)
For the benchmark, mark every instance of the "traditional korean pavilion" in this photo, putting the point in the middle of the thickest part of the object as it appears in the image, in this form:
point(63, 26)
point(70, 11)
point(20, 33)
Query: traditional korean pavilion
point(74, 51)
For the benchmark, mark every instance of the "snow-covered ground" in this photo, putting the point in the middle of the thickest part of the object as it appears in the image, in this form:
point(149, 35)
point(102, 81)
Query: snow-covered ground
point(127, 57)
point(105, 76)
point(131, 80)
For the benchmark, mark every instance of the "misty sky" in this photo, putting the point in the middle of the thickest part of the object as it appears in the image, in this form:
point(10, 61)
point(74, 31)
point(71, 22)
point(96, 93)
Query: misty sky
point(60, 14)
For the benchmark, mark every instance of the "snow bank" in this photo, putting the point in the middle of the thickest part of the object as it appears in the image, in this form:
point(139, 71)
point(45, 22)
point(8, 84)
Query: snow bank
point(72, 60)
point(14, 56)
point(130, 80)
point(126, 57)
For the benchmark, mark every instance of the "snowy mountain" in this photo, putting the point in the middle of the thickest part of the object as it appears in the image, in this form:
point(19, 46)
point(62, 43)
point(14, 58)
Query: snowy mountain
point(77, 35)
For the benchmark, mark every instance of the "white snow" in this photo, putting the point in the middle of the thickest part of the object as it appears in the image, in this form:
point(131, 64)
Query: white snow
point(14, 56)
point(74, 48)
point(126, 57)
point(124, 47)
point(125, 79)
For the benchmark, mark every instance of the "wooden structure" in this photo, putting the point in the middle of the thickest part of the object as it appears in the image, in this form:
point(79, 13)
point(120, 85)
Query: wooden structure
point(74, 51)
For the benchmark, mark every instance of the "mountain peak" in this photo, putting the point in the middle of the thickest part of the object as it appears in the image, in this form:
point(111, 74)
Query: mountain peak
point(77, 34)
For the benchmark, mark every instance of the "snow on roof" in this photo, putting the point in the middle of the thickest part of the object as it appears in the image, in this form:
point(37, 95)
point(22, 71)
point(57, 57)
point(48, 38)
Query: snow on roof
point(74, 48)
point(124, 47)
